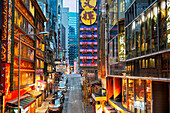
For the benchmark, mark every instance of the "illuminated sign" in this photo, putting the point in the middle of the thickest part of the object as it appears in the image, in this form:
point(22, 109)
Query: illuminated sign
point(121, 47)
point(88, 39)
point(5, 78)
point(90, 75)
point(60, 68)
point(168, 24)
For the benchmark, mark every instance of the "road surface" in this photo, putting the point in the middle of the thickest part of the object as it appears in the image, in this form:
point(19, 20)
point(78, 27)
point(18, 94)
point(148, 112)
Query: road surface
point(73, 97)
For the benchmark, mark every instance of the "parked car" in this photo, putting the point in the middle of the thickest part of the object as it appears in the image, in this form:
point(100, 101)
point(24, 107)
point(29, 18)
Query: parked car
point(55, 106)
point(62, 87)
point(59, 94)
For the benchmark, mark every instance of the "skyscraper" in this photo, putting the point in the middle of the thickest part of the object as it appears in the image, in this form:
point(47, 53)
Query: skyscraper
point(73, 36)
point(65, 23)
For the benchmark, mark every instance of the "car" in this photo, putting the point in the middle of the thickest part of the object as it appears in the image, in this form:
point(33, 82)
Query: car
point(55, 106)
point(62, 87)
point(59, 94)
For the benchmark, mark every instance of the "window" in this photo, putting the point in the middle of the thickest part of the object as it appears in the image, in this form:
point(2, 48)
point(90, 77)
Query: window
point(131, 95)
point(22, 23)
point(143, 36)
point(162, 24)
point(152, 63)
point(138, 31)
point(124, 92)
point(139, 95)
point(154, 11)
point(26, 78)
point(27, 52)
point(148, 31)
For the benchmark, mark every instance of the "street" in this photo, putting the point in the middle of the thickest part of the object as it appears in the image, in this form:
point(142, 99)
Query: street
point(73, 97)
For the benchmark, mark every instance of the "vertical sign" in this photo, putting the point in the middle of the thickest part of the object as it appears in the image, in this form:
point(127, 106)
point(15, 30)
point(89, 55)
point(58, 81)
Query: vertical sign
point(88, 39)
point(4, 38)
point(168, 23)
point(121, 47)
point(5, 78)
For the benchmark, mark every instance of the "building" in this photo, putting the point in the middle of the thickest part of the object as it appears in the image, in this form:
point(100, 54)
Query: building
point(72, 46)
point(63, 46)
point(138, 50)
point(22, 24)
point(65, 23)
point(74, 23)
point(50, 9)
point(1, 91)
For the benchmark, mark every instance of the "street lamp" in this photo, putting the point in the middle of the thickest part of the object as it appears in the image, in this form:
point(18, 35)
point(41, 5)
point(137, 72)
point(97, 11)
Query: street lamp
point(40, 33)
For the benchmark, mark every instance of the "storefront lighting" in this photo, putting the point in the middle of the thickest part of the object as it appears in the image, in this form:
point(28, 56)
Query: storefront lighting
point(163, 5)
point(143, 18)
point(155, 10)
point(40, 33)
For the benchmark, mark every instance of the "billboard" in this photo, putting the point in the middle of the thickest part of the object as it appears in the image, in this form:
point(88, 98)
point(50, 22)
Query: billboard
point(88, 36)
point(121, 47)
point(60, 68)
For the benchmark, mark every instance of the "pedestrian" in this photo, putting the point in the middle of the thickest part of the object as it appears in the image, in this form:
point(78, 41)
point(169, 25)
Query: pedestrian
point(91, 101)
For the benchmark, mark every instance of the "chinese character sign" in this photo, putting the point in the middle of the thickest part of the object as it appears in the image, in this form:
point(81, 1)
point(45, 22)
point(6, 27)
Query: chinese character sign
point(168, 23)
point(88, 43)
point(121, 47)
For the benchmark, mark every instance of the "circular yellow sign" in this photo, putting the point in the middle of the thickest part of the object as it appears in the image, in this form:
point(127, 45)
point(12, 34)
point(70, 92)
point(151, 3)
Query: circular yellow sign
point(88, 4)
point(88, 17)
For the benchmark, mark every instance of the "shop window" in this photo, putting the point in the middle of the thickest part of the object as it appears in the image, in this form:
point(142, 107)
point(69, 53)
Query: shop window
point(162, 24)
point(148, 31)
point(148, 96)
point(154, 12)
point(139, 96)
point(124, 93)
point(131, 95)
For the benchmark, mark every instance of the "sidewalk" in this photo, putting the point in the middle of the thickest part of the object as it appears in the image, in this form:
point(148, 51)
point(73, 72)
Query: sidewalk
point(88, 109)
point(44, 106)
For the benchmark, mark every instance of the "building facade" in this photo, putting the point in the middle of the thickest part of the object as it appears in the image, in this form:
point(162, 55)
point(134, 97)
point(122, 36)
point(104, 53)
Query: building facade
point(21, 24)
point(74, 38)
point(65, 24)
point(138, 56)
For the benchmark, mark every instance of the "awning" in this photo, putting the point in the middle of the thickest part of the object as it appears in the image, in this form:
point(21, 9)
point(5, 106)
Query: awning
point(24, 102)
point(94, 82)
point(35, 93)
point(42, 81)
point(98, 97)
point(109, 109)
point(118, 106)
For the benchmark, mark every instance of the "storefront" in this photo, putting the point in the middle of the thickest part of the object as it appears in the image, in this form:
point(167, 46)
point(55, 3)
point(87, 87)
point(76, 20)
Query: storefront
point(27, 104)
point(38, 96)
point(41, 87)
point(40, 83)
point(136, 96)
